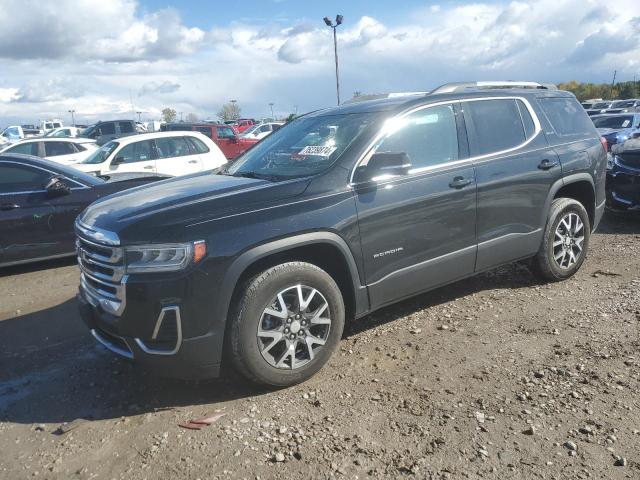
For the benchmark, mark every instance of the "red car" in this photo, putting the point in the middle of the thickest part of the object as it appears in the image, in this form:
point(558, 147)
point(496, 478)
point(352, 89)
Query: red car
point(241, 124)
point(222, 135)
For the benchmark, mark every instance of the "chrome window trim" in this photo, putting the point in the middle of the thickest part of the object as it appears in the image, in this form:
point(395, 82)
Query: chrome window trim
point(370, 150)
point(81, 187)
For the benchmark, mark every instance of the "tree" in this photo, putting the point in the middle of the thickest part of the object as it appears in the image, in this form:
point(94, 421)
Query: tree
point(169, 115)
point(585, 91)
point(192, 118)
point(229, 111)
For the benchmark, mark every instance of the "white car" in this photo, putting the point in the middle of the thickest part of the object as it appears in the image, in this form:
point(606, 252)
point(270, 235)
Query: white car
point(48, 125)
point(61, 150)
point(258, 132)
point(167, 153)
point(70, 132)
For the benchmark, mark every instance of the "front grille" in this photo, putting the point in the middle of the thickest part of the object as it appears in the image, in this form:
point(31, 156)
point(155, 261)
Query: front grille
point(630, 159)
point(102, 272)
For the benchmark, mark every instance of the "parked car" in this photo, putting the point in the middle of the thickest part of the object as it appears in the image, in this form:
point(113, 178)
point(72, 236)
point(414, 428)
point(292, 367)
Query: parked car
point(48, 125)
point(60, 150)
point(167, 153)
point(623, 175)
point(71, 132)
point(15, 133)
point(624, 106)
point(343, 211)
point(102, 132)
point(599, 108)
point(258, 132)
point(587, 104)
point(222, 135)
point(39, 201)
point(618, 127)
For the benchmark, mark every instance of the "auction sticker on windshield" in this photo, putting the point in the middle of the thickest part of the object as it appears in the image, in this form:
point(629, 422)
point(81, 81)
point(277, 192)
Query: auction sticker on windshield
point(317, 150)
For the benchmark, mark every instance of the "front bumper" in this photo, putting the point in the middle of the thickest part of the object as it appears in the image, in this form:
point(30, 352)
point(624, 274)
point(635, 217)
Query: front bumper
point(623, 188)
point(173, 356)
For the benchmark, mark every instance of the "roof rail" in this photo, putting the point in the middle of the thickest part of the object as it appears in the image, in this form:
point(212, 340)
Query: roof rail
point(461, 86)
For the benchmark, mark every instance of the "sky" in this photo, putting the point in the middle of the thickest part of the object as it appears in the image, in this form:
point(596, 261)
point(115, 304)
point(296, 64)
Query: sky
point(108, 59)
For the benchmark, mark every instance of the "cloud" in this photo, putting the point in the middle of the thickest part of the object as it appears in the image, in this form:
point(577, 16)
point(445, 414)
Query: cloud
point(51, 90)
point(93, 30)
point(158, 87)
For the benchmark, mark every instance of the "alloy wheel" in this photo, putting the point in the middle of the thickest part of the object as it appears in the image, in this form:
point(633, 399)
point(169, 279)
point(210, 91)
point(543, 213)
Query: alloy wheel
point(294, 327)
point(568, 241)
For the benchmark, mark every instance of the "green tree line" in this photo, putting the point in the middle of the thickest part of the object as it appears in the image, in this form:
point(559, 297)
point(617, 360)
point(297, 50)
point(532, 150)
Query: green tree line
point(586, 91)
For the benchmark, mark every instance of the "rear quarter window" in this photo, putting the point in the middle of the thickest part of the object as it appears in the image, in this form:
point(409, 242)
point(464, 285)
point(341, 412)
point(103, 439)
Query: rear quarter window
point(566, 115)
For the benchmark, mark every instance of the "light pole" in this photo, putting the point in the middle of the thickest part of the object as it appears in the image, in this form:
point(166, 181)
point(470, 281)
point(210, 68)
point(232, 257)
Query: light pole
point(73, 120)
point(271, 106)
point(329, 23)
point(139, 117)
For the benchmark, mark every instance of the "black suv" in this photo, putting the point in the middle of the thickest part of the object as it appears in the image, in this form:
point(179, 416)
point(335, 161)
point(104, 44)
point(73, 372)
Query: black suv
point(105, 131)
point(338, 213)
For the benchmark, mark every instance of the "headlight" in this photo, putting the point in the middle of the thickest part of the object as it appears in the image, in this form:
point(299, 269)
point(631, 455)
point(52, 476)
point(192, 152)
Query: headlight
point(609, 161)
point(163, 258)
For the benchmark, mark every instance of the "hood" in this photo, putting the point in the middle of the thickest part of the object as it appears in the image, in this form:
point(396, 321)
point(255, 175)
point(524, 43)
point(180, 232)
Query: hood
point(160, 210)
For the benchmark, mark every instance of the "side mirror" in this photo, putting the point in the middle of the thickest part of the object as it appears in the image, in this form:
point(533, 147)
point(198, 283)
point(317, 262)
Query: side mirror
point(383, 165)
point(55, 187)
point(117, 161)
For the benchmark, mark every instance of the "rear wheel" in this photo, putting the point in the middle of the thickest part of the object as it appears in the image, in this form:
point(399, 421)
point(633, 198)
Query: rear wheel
point(565, 242)
point(289, 321)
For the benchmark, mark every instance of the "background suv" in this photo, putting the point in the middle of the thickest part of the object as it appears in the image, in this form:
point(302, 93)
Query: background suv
point(338, 213)
point(102, 132)
point(166, 153)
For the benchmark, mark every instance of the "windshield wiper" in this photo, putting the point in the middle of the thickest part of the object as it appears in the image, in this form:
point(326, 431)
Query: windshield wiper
point(257, 175)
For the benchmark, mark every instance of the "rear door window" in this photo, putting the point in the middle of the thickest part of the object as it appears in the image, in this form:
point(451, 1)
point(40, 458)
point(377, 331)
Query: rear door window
point(197, 145)
point(172, 147)
point(496, 125)
point(566, 116)
point(136, 152)
point(54, 149)
point(126, 127)
point(108, 128)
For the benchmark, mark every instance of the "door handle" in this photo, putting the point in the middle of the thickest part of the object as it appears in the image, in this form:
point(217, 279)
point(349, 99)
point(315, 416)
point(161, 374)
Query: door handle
point(460, 182)
point(193, 161)
point(547, 164)
point(148, 167)
point(9, 206)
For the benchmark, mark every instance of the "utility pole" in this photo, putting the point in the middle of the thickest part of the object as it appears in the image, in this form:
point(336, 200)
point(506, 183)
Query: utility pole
point(612, 84)
point(139, 116)
point(330, 24)
point(271, 106)
point(73, 119)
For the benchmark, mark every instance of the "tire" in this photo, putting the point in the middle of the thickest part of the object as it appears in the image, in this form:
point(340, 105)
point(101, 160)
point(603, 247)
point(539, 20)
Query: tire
point(545, 264)
point(261, 295)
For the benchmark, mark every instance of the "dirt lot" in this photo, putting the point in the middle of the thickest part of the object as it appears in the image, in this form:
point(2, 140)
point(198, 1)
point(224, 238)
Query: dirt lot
point(494, 377)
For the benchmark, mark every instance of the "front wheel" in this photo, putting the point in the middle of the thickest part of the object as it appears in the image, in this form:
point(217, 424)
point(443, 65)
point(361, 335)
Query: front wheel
point(288, 323)
point(565, 242)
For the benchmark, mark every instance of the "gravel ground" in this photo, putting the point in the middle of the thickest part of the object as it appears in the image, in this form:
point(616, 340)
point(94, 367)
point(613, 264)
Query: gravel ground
point(497, 376)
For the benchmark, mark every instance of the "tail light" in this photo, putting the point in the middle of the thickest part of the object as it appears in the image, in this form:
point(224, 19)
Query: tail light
point(605, 145)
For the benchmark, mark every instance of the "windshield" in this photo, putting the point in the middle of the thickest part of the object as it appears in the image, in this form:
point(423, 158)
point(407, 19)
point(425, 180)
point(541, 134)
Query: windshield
point(306, 146)
point(101, 154)
point(601, 105)
point(250, 130)
point(623, 121)
point(87, 131)
point(623, 104)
